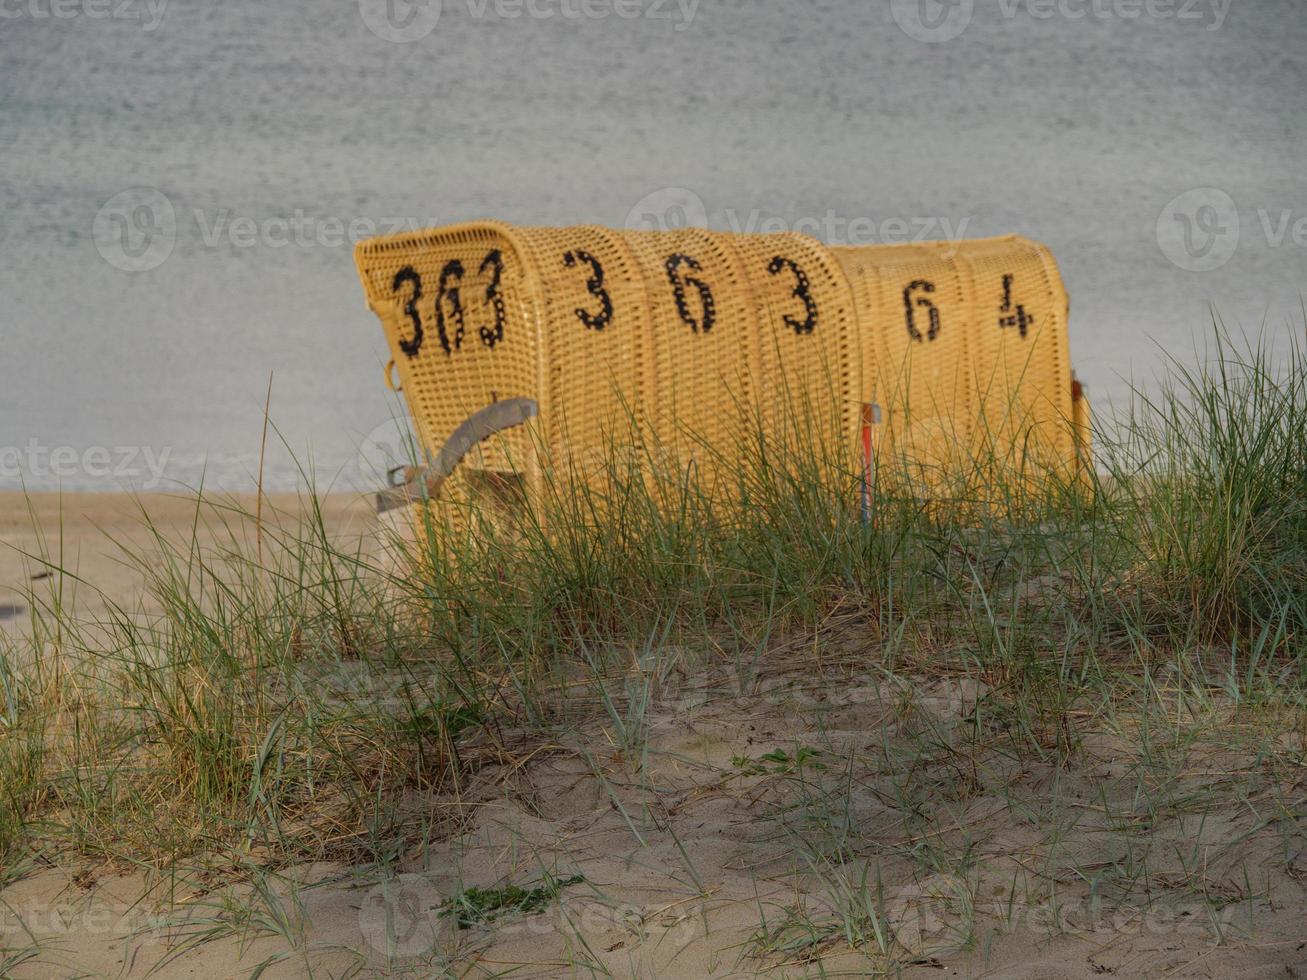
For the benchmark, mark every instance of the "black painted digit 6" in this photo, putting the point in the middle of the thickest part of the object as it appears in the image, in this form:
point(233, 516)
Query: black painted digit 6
point(410, 275)
point(453, 270)
point(595, 284)
point(493, 335)
point(908, 302)
point(674, 263)
point(801, 291)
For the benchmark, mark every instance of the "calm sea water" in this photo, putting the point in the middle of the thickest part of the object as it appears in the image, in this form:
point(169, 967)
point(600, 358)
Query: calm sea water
point(269, 134)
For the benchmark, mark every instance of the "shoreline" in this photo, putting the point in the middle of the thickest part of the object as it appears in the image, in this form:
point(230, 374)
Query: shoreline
point(84, 532)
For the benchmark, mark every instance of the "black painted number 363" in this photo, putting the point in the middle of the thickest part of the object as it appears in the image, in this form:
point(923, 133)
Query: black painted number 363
point(451, 319)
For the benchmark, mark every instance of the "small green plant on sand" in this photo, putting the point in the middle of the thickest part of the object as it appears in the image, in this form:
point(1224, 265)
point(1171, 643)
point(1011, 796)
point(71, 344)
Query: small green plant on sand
point(778, 762)
point(473, 906)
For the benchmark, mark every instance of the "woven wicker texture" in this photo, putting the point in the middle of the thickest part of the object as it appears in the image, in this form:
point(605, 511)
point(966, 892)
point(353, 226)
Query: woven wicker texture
point(701, 344)
point(917, 371)
point(805, 367)
point(963, 344)
point(595, 323)
point(460, 309)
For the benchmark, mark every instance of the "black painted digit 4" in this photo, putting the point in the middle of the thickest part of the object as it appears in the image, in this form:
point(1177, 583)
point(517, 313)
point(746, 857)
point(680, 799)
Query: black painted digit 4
point(595, 285)
point(920, 286)
point(410, 275)
point(1012, 317)
point(493, 335)
point(679, 282)
point(802, 290)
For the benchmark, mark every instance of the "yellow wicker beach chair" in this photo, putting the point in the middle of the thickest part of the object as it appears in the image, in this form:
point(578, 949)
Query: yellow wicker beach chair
point(676, 337)
point(965, 347)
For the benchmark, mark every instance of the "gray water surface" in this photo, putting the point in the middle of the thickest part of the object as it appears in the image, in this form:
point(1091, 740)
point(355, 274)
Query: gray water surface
point(270, 128)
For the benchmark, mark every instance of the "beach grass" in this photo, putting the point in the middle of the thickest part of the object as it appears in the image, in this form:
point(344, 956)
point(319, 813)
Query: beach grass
point(299, 699)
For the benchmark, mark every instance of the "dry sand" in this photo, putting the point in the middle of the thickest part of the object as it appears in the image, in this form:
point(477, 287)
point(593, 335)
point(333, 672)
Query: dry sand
point(702, 857)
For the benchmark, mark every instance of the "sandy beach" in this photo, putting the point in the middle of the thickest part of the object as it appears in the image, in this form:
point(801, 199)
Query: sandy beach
point(686, 864)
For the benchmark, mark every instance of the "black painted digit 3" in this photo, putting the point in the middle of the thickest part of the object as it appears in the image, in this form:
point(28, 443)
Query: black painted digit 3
point(453, 270)
point(493, 335)
point(410, 275)
point(595, 285)
point(801, 291)
point(925, 286)
point(679, 282)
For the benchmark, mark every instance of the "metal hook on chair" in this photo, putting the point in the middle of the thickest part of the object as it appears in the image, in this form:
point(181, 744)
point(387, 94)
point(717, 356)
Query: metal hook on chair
point(423, 483)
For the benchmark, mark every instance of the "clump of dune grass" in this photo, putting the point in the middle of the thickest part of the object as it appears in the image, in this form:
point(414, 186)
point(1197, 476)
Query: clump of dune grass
point(1209, 470)
point(303, 698)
